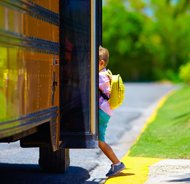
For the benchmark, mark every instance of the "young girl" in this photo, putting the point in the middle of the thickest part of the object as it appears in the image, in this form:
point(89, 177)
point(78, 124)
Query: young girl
point(105, 112)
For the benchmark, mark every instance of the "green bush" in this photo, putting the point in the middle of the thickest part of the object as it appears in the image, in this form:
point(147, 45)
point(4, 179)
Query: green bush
point(184, 72)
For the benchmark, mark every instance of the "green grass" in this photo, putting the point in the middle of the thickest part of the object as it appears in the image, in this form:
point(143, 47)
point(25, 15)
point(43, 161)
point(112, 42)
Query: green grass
point(168, 136)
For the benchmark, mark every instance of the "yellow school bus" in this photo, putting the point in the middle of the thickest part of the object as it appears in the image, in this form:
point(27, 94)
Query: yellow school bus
point(49, 76)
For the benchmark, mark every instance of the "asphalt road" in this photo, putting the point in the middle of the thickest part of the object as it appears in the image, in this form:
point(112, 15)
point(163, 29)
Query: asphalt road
point(20, 165)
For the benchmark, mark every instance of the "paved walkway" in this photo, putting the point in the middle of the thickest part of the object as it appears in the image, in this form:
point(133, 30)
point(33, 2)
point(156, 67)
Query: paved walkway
point(173, 171)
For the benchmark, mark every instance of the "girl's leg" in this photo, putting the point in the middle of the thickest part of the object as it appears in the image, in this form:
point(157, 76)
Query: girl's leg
point(108, 152)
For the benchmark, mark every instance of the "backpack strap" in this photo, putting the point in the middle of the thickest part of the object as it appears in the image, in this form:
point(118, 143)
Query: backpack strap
point(108, 73)
point(103, 95)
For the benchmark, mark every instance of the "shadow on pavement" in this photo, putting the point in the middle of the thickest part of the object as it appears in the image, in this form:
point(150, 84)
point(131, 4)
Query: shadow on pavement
point(122, 174)
point(32, 174)
point(186, 180)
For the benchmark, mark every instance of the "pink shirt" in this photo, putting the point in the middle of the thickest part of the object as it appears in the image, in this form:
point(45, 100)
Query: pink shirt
point(104, 85)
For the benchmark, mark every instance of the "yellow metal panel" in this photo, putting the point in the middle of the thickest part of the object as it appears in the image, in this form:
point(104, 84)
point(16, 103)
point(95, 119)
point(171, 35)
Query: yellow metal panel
point(17, 22)
point(44, 3)
point(31, 26)
point(35, 1)
point(25, 82)
point(43, 30)
point(40, 29)
point(2, 17)
point(21, 82)
point(26, 74)
point(31, 63)
point(54, 6)
point(40, 70)
point(54, 33)
point(11, 20)
point(45, 80)
point(50, 79)
point(3, 82)
point(12, 88)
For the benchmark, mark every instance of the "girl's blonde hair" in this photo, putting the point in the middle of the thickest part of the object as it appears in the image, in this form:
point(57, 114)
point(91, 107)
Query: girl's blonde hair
point(103, 55)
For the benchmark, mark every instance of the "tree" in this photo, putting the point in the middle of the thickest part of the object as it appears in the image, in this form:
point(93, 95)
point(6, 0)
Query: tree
point(146, 47)
point(121, 35)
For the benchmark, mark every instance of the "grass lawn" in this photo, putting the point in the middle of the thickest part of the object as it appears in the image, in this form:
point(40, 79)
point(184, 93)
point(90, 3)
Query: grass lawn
point(168, 136)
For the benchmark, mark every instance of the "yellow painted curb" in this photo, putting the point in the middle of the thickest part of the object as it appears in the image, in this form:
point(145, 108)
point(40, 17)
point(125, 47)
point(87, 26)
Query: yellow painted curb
point(136, 171)
point(137, 167)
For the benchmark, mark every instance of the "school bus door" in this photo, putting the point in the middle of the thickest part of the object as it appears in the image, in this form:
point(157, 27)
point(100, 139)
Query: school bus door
point(80, 36)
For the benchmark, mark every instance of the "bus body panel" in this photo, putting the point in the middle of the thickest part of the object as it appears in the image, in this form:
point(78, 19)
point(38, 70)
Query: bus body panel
point(29, 44)
point(48, 72)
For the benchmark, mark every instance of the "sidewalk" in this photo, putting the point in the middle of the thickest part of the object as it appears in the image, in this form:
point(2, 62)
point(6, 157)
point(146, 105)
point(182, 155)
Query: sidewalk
point(141, 170)
point(169, 171)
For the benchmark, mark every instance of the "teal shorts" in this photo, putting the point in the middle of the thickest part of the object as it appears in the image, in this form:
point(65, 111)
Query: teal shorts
point(103, 121)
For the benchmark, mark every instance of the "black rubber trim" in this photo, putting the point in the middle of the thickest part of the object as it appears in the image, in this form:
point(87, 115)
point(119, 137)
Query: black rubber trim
point(79, 141)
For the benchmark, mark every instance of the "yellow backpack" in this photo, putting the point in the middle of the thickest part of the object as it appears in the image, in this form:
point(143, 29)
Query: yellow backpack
point(117, 90)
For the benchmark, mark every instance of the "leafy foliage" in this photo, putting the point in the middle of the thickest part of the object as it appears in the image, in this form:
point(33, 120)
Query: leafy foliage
point(185, 72)
point(147, 40)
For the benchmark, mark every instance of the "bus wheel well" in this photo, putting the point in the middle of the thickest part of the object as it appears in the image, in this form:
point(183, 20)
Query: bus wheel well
point(41, 138)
